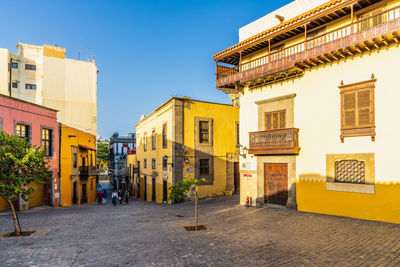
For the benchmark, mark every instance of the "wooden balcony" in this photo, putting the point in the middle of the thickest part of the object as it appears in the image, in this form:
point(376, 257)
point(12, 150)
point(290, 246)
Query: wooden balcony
point(275, 142)
point(87, 171)
point(360, 37)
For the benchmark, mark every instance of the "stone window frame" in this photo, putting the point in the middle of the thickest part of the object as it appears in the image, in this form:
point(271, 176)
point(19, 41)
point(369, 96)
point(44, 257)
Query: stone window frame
point(51, 139)
point(197, 121)
point(210, 178)
point(367, 188)
point(29, 124)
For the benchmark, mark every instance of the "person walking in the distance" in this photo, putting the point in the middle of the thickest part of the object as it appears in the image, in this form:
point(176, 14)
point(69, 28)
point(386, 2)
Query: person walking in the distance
point(104, 196)
point(99, 197)
point(126, 196)
point(114, 197)
point(120, 195)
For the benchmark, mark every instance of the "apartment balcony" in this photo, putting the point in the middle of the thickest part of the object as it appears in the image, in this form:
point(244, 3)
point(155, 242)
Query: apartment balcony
point(275, 142)
point(85, 171)
point(363, 36)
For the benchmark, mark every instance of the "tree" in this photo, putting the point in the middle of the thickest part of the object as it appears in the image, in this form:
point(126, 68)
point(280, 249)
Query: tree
point(21, 164)
point(102, 154)
point(187, 186)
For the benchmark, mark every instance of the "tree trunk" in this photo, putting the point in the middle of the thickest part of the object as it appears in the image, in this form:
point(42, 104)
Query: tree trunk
point(16, 227)
point(196, 214)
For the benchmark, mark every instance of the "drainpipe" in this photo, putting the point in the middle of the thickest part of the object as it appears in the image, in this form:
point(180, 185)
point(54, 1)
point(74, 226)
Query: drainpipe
point(10, 84)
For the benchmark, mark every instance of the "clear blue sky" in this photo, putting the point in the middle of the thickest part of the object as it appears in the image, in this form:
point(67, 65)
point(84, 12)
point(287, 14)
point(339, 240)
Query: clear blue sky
point(147, 51)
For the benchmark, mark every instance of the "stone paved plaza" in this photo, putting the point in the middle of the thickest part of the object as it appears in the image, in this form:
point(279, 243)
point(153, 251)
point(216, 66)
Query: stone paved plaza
point(147, 234)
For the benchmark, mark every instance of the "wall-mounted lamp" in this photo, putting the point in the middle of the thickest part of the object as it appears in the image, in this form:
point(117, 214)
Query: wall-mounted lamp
point(242, 150)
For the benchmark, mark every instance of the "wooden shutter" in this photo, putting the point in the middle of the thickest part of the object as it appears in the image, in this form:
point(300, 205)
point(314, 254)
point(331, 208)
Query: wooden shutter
point(275, 120)
point(282, 119)
point(349, 109)
point(268, 121)
point(364, 107)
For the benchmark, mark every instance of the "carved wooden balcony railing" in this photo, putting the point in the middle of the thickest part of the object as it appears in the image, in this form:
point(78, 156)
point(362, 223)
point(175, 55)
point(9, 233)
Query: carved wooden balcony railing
point(275, 142)
point(359, 37)
point(87, 171)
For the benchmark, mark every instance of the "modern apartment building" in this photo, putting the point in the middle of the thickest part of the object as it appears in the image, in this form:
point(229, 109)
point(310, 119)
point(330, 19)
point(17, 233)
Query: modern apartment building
point(44, 76)
point(187, 138)
point(317, 86)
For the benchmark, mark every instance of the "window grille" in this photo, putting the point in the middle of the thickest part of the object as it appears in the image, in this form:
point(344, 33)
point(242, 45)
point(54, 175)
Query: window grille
point(350, 171)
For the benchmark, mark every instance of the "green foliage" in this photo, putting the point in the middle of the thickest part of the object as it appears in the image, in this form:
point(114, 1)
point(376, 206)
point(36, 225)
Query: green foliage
point(178, 190)
point(102, 153)
point(20, 165)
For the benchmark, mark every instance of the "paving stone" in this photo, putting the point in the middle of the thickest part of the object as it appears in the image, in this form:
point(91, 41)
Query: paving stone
point(150, 234)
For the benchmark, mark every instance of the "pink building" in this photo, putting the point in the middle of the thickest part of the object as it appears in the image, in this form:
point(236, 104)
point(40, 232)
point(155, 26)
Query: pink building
point(39, 125)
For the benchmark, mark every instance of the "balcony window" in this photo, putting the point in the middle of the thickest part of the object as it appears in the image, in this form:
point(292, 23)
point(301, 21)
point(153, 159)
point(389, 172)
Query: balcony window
point(275, 120)
point(30, 67)
point(165, 163)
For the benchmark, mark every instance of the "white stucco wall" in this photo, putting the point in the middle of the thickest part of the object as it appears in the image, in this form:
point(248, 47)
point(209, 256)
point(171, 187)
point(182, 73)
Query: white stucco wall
point(317, 114)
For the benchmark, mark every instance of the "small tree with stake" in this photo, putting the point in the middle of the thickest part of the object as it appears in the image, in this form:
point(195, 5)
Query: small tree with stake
point(189, 186)
point(20, 165)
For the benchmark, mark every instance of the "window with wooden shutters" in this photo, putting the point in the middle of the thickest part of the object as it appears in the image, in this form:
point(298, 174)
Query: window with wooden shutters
point(275, 120)
point(357, 109)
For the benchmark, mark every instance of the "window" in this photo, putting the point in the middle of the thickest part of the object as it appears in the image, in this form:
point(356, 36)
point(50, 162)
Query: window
point(145, 163)
point(15, 65)
point(14, 85)
point(275, 120)
point(153, 140)
point(145, 142)
point(204, 168)
point(165, 163)
point(91, 159)
point(357, 109)
point(153, 164)
point(46, 142)
point(350, 171)
point(22, 131)
point(75, 160)
point(30, 67)
point(164, 136)
point(30, 86)
point(204, 132)
point(371, 19)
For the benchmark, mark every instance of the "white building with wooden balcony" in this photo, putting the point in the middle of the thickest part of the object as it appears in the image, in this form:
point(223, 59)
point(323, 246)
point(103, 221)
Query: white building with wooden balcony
point(318, 87)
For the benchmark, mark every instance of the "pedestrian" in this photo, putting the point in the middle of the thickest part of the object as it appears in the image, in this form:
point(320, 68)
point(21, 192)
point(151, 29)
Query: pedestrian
point(126, 196)
point(114, 197)
point(99, 197)
point(120, 196)
point(104, 196)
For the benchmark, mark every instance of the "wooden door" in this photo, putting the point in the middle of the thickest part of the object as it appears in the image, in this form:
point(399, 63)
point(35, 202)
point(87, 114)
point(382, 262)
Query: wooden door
point(83, 194)
point(236, 177)
point(276, 183)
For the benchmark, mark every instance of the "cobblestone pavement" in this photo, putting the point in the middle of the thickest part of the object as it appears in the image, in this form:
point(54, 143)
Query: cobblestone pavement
point(149, 234)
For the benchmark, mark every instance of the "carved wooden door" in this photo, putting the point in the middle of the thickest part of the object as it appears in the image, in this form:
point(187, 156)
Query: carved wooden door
point(276, 183)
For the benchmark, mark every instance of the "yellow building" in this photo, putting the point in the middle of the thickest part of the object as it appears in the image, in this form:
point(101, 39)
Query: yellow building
point(78, 166)
point(187, 138)
point(317, 92)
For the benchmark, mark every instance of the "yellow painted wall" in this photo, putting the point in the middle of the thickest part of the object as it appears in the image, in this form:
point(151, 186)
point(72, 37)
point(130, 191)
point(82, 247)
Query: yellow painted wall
point(384, 205)
point(53, 51)
point(224, 119)
point(74, 137)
